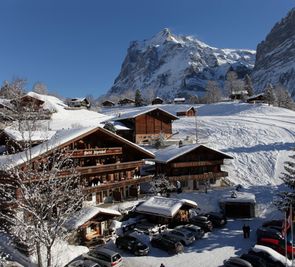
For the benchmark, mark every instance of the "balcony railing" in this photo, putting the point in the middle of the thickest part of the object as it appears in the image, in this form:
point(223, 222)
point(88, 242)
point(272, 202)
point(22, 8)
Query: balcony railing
point(204, 176)
point(196, 163)
point(95, 152)
point(117, 184)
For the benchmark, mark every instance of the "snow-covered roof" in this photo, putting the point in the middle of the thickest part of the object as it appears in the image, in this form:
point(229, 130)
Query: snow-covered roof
point(61, 137)
point(78, 99)
point(138, 112)
point(179, 99)
point(276, 256)
point(86, 214)
point(236, 196)
point(166, 207)
point(28, 135)
point(172, 152)
point(254, 96)
point(120, 126)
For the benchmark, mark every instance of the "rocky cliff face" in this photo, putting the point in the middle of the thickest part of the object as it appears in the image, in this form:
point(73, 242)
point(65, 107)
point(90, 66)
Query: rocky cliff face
point(168, 65)
point(275, 58)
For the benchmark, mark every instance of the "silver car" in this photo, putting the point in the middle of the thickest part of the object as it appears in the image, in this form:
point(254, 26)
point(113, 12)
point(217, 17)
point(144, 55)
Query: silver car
point(184, 236)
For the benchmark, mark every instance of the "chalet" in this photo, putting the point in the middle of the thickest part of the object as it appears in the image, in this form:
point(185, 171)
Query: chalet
point(157, 101)
point(78, 102)
point(146, 124)
point(194, 166)
point(108, 103)
point(238, 95)
point(165, 210)
point(179, 100)
point(126, 101)
point(109, 165)
point(91, 223)
point(16, 141)
point(255, 99)
point(186, 112)
point(28, 103)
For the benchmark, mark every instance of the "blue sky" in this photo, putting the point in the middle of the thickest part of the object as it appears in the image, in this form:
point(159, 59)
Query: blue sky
point(77, 47)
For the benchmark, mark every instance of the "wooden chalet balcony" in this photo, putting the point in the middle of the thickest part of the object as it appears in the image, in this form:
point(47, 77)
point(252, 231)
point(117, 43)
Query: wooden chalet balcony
point(118, 184)
point(95, 152)
point(107, 168)
point(196, 163)
point(204, 176)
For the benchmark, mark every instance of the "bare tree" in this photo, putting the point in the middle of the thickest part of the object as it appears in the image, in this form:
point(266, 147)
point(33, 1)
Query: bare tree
point(161, 185)
point(213, 93)
point(40, 88)
point(231, 78)
point(13, 89)
point(248, 85)
point(269, 94)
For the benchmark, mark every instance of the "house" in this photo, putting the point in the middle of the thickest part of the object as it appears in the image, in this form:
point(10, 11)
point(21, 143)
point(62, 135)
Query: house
point(27, 102)
point(108, 103)
point(91, 223)
point(195, 166)
point(179, 100)
point(238, 95)
point(78, 102)
point(186, 112)
point(165, 210)
point(238, 204)
point(126, 101)
point(109, 166)
point(146, 124)
point(16, 141)
point(157, 101)
point(255, 99)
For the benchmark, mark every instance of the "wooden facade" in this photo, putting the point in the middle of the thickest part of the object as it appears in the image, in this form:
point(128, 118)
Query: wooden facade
point(257, 99)
point(28, 103)
point(148, 125)
point(78, 102)
point(126, 101)
point(108, 103)
point(190, 112)
point(195, 168)
point(109, 166)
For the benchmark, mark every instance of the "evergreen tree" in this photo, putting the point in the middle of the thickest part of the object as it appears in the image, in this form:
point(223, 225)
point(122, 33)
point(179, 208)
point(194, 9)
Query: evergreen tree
point(269, 94)
point(248, 85)
point(138, 98)
point(288, 197)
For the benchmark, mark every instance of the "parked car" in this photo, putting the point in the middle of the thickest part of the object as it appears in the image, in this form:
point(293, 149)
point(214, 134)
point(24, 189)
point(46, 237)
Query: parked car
point(197, 231)
point(150, 228)
point(273, 223)
point(268, 233)
point(105, 257)
point(202, 222)
point(94, 242)
point(167, 244)
point(218, 219)
point(83, 263)
point(271, 257)
point(236, 262)
point(254, 260)
point(132, 244)
point(184, 236)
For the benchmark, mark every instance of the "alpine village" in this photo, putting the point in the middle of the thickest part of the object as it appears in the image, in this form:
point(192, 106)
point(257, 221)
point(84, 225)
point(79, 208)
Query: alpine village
point(190, 163)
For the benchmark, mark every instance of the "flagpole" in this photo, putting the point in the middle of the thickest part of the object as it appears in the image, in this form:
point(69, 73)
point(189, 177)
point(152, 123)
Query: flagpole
point(285, 235)
point(292, 232)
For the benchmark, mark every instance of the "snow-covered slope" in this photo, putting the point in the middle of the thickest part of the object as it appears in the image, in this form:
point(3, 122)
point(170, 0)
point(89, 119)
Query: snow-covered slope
point(169, 64)
point(259, 137)
point(64, 118)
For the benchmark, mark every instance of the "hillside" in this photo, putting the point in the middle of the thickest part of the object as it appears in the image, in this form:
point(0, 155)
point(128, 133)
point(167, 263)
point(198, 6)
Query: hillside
point(259, 137)
point(167, 65)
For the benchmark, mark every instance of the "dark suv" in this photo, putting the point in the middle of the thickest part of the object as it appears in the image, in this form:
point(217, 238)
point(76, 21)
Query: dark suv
point(167, 244)
point(217, 219)
point(203, 222)
point(132, 244)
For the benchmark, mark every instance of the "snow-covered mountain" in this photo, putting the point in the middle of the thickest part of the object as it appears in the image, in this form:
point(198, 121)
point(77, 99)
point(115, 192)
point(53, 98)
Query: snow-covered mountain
point(275, 59)
point(168, 65)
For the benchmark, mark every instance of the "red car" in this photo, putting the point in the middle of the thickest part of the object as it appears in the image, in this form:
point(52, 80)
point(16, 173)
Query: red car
point(278, 245)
